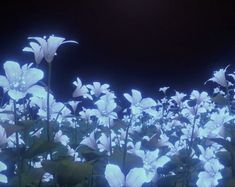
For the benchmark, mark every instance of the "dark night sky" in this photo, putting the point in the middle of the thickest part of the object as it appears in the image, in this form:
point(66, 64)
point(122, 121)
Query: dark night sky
point(142, 44)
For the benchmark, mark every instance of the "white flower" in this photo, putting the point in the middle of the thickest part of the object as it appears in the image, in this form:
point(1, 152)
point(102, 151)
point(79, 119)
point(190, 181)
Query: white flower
point(164, 89)
point(74, 105)
point(97, 89)
point(63, 139)
point(135, 178)
point(3, 136)
point(211, 175)
point(50, 45)
point(3, 178)
point(37, 50)
point(105, 111)
point(139, 104)
point(90, 141)
point(178, 97)
point(86, 114)
point(104, 143)
point(207, 154)
point(219, 77)
point(81, 90)
point(20, 81)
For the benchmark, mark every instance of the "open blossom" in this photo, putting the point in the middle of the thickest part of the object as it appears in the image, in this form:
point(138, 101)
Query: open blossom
point(37, 50)
point(211, 175)
point(50, 45)
point(19, 81)
point(60, 137)
point(3, 178)
point(219, 77)
point(139, 104)
point(135, 178)
point(97, 89)
point(81, 90)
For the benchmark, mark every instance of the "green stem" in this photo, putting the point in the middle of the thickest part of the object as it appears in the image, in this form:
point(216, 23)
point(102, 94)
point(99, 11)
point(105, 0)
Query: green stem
point(18, 149)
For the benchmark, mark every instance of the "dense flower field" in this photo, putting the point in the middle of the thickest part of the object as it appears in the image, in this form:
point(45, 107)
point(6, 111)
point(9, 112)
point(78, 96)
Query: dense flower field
point(92, 141)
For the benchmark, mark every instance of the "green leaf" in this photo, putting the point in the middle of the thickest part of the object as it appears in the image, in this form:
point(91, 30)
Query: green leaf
point(68, 172)
point(39, 147)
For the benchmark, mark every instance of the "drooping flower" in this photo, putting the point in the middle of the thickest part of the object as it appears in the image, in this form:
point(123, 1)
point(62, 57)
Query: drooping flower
point(135, 178)
point(19, 81)
point(50, 45)
point(90, 141)
point(3, 178)
point(37, 50)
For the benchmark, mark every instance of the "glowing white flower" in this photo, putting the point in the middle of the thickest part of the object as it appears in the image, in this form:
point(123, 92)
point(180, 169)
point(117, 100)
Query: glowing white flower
point(37, 50)
point(86, 114)
point(19, 81)
point(50, 45)
point(97, 89)
point(90, 141)
point(81, 90)
point(135, 178)
point(60, 137)
point(3, 136)
point(211, 175)
point(219, 77)
point(206, 154)
point(178, 97)
point(3, 178)
point(164, 89)
point(139, 104)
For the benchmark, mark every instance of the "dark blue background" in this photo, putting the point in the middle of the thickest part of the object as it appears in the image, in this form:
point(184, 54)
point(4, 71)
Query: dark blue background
point(142, 44)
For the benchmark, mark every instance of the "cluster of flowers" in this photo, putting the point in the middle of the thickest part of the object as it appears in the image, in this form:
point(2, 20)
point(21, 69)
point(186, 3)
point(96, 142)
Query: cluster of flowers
point(174, 140)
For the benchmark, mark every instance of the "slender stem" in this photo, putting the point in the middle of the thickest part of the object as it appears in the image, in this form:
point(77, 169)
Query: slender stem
point(110, 138)
point(18, 148)
point(125, 146)
point(48, 102)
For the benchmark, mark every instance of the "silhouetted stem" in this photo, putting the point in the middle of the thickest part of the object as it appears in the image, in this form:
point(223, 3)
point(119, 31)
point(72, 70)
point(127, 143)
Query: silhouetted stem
point(48, 101)
point(18, 149)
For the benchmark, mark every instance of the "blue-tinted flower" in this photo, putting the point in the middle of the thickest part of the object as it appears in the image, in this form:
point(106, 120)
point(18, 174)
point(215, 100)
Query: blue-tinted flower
point(81, 90)
point(19, 81)
point(3, 136)
point(219, 77)
point(3, 178)
point(37, 50)
point(49, 46)
point(60, 137)
point(135, 178)
point(139, 104)
point(97, 89)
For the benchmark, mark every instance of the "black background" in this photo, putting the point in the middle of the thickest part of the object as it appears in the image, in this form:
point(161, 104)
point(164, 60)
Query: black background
point(141, 44)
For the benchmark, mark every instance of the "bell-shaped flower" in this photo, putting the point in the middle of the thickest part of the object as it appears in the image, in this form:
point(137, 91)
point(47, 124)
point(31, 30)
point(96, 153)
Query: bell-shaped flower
point(164, 89)
point(61, 138)
point(3, 178)
point(19, 81)
point(50, 45)
point(206, 154)
point(37, 50)
point(135, 178)
point(3, 136)
point(178, 98)
point(81, 90)
point(219, 77)
point(86, 114)
point(97, 89)
point(74, 105)
point(90, 141)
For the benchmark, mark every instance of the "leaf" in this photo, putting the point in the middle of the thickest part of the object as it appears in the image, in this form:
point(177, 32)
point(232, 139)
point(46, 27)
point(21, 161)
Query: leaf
point(219, 99)
point(68, 173)
point(226, 144)
point(90, 154)
point(39, 147)
point(224, 158)
point(10, 129)
point(131, 160)
point(169, 181)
